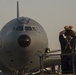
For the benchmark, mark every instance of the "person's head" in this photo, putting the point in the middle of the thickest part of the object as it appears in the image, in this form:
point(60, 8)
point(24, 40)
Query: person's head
point(68, 33)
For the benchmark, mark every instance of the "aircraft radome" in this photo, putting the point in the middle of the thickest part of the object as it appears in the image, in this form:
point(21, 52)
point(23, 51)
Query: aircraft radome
point(21, 41)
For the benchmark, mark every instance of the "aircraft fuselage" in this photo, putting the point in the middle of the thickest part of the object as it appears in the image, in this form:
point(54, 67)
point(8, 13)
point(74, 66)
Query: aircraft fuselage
point(21, 40)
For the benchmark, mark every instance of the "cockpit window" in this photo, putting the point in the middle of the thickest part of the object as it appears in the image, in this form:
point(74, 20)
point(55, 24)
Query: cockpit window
point(28, 28)
point(19, 28)
point(34, 28)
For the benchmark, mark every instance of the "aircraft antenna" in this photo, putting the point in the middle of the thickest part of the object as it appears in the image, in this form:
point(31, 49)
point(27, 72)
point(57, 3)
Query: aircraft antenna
point(17, 9)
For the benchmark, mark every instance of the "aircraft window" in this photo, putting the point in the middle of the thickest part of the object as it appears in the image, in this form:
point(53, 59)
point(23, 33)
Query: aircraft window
point(34, 28)
point(28, 28)
point(19, 28)
point(10, 30)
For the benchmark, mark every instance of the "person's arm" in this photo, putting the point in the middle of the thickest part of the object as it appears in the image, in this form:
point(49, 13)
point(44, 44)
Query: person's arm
point(70, 27)
point(62, 32)
point(74, 33)
point(61, 37)
point(66, 27)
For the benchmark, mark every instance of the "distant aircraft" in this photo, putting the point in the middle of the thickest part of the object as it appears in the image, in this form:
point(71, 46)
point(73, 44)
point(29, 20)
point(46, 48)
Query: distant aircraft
point(22, 42)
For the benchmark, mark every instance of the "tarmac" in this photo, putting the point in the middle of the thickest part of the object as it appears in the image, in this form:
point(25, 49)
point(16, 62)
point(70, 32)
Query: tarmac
point(56, 74)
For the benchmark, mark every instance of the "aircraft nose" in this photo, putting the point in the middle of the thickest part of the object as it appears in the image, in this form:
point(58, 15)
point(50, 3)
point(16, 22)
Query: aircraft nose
point(24, 40)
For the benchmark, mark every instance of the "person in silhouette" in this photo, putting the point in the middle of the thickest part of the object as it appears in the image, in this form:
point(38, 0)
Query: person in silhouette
point(67, 39)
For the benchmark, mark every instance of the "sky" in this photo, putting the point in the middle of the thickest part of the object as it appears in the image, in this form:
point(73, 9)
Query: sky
point(53, 15)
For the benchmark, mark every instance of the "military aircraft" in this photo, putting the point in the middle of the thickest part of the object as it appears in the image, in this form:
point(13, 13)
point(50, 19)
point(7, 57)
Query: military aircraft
point(23, 41)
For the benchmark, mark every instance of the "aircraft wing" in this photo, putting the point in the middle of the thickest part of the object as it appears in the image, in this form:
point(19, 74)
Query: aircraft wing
point(51, 59)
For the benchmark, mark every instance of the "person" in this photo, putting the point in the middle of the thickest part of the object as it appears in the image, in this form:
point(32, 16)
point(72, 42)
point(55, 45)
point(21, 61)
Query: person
point(67, 39)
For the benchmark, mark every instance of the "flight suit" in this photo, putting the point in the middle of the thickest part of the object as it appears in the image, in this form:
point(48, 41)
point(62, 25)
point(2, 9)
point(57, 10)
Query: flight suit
point(67, 46)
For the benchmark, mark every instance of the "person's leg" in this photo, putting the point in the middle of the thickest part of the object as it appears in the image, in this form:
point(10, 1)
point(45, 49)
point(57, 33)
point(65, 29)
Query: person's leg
point(64, 64)
point(70, 68)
